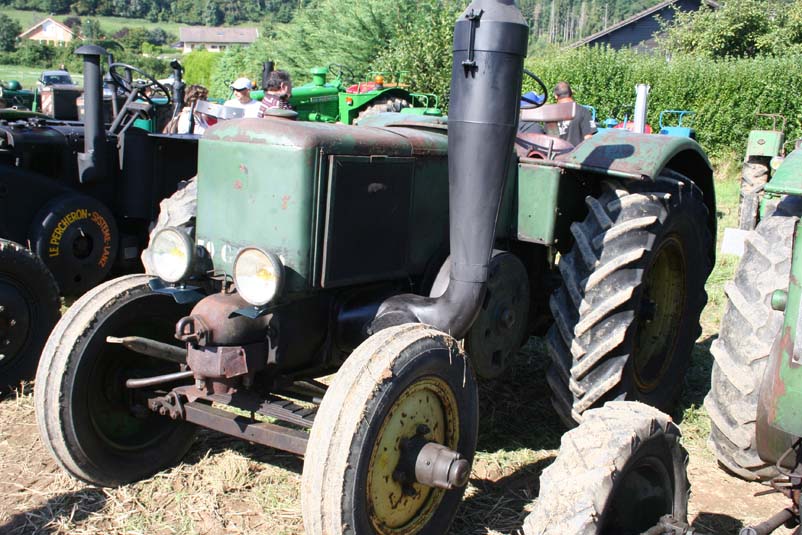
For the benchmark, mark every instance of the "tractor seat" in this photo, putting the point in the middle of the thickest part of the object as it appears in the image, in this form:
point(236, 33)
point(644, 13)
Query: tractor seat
point(534, 145)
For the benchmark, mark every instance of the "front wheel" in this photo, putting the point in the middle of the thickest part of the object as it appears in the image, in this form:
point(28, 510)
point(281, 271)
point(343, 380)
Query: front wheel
point(617, 473)
point(29, 308)
point(403, 385)
point(627, 314)
point(98, 430)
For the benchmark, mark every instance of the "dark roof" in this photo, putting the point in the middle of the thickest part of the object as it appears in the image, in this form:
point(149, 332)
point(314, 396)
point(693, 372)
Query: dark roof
point(203, 34)
point(634, 18)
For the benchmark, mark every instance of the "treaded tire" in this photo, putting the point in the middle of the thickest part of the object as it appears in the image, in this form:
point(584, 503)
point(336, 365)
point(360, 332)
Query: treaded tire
point(749, 326)
point(383, 105)
point(178, 210)
point(754, 177)
point(587, 490)
point(29, 298)
point(82, 407)
point(637, 270)
point(339, 465)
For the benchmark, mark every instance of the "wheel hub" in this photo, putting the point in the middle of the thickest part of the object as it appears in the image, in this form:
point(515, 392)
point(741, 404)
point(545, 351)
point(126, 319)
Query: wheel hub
point(426, 413)
point(500, 327)
point(659, 314)
point(15, 319)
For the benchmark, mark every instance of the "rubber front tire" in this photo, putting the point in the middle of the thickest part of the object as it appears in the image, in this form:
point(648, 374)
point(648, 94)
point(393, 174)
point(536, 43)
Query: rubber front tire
point(616, 474)
point(626, 316)
point(748, 328)
point(95, 428)
point(29, 308)
point(347, 485)
point(178, 210)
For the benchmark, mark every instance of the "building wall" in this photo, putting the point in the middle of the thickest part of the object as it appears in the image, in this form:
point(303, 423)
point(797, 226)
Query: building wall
point(211, 47)
point(51, 34)
point(640, 34)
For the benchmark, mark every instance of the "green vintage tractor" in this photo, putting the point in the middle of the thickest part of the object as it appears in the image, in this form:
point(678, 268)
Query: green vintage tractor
point(636, 479)
point(12, 95)
point(367, 252)
point(346, 99)
point(764, 152)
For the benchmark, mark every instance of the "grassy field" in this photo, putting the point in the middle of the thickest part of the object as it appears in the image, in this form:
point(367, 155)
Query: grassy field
point(27, 77)
point(227, 486)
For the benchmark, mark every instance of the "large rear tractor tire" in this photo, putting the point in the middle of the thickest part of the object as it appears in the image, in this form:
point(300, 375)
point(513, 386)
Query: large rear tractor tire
point(754, 177)
point(179, 211)
point(97, 429)
point(627, 313)
point(402, 385)
point(748, 329)
point(29, 308)
point(617, 473)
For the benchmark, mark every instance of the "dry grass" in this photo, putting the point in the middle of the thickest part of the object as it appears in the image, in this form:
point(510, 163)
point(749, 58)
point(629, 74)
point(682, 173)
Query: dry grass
point(229, 487)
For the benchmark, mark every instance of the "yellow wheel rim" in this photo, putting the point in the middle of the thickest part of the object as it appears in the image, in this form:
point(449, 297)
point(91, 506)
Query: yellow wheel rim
point(431, 402)
point(658, 330)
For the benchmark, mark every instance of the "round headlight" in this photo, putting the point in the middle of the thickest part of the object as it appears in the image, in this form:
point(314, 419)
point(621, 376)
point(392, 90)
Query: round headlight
point(172, 254)
point(258, 275)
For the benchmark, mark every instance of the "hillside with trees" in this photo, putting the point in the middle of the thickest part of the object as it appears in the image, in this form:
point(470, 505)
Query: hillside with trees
point(206, 12)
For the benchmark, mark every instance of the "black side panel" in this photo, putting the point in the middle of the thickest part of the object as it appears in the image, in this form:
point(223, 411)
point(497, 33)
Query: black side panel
point(368, 219)
point(22, 194)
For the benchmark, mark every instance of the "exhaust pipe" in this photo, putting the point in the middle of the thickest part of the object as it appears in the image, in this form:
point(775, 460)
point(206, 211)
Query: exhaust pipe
point(490, 41)
point(92, 161)
point(641, 107)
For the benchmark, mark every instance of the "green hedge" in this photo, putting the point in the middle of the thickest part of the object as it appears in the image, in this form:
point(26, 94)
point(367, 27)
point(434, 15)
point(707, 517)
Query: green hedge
point(725, 94)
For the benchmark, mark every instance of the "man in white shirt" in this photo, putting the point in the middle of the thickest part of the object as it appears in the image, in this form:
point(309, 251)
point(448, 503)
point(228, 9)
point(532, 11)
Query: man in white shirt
point(242, 97)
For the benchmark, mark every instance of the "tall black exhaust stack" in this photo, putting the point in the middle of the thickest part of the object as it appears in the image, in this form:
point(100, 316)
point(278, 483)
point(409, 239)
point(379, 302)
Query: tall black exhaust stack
point(92, 161)
point(490, 41)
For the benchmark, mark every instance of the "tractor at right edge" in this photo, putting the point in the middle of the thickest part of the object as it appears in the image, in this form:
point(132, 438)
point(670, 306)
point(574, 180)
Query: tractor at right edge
point(627, 457)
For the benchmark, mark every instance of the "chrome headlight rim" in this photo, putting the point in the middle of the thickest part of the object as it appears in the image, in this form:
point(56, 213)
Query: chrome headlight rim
point(187, 246)
point(277, 268)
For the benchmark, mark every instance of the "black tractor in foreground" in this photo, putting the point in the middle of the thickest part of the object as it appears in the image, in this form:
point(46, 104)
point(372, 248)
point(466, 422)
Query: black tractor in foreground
point(76, 201)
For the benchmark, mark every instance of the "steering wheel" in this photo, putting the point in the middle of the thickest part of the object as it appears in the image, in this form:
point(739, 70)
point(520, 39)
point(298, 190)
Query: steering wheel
point(342, 72)
point(534, 103)
point(137, 85)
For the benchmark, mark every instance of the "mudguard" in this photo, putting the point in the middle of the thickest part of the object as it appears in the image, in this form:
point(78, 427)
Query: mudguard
point(625, 154)
point(787, 180)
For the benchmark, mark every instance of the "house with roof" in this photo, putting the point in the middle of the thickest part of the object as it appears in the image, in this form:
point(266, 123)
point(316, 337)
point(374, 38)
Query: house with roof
point(214, 39)
point(640, 30)
point(49, 32)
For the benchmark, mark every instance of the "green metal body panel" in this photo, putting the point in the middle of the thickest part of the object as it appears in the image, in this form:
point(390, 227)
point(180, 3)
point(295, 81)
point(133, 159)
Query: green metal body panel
point(767, 143)
point(787, 180)
point(548, 201)
point(781, 391)
point(274, 190)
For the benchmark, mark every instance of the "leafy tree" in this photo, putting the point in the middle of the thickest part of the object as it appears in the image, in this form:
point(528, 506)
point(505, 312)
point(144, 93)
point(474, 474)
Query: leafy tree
point(199, 66)
point(90, 28)
point(422, 49)
point(9, 30)
point(740, 28)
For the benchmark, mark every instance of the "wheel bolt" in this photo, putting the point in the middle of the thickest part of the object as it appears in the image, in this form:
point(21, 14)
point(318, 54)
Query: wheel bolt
point(2, 356)
point(400, 476)
point(6, 342)
point(11, 323)
point(2, 308)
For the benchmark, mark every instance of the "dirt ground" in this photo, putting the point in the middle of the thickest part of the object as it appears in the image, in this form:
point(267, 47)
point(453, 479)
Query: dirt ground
point(227, 487)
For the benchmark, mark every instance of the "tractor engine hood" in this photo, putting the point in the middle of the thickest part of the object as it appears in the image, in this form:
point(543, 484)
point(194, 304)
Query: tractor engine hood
point(490, 41)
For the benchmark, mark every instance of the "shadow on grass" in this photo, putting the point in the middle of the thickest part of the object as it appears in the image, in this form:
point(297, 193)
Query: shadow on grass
point(518, 428)
point(697, 380)
point(73, 507)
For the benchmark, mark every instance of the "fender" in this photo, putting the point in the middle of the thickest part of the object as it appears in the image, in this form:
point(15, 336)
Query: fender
point(644, 156)
point(22, 194)
point(787, 180)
